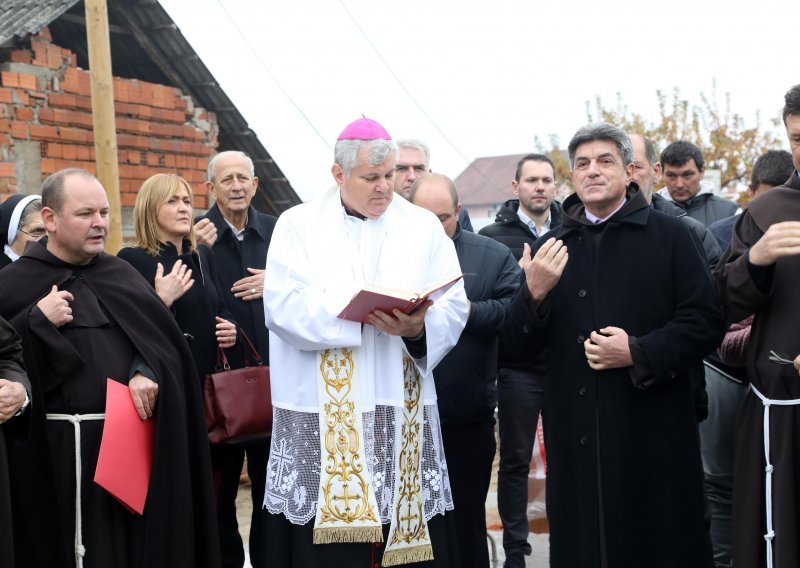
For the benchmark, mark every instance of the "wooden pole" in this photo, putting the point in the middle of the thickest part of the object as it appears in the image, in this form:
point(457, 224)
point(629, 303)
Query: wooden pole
point(103, 116)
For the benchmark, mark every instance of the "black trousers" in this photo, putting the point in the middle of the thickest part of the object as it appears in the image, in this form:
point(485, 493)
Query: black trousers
point(226, 461)
point(469, 450)
point(291, 546)
point(520, 395)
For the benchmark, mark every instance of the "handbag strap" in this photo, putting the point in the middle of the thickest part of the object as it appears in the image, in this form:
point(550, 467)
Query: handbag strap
point(222, 360)
point(256, 356)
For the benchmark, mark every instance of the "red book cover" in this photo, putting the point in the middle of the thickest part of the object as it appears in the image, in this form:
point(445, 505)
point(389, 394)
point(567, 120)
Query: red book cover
point(126, 450)
point(372, 298)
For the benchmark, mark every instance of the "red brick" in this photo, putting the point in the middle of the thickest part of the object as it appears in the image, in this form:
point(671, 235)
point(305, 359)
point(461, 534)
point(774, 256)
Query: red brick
point(5, 126)
point(55, 150)
point(20, 56)
point(7, 169)
point(43, 132)
point(75, 134)
point(127, 199)
point(48, 165)
point(62, 100)
point(70, 117)
point(70, 82)
point(44, 33)
point(46, 115)
point(6, 95)
point(86, 153)
point(24, 114)
point(27, 82)
point(9, 78)
point(70, 152)
point(4, 140)
point(21, 97)
point(54, 57)
point(19, 130)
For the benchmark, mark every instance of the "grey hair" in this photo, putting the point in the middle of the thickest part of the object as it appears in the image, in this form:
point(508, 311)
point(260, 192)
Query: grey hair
point(417, 145)
point(345, 153)
point(601, 131)
point(213, 162)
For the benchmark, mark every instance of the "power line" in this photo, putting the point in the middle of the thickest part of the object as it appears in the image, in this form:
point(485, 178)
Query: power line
point(411, 97)
point(272, 76)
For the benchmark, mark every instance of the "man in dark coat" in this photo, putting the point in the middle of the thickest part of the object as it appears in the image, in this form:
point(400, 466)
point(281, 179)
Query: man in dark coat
point(465, 378)
point(83, 317)
point(14, 424)
point(622, 299)
point(759, 274)
point(240, 252)
point(520, 374)
point(727, 382)
point(684, 167)
point(535, 210)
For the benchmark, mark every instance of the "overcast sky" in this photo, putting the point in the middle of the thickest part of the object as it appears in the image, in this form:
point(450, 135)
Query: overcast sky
point(476, 79)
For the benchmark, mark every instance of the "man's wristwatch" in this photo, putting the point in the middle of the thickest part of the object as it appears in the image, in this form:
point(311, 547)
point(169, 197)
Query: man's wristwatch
point(24, 406)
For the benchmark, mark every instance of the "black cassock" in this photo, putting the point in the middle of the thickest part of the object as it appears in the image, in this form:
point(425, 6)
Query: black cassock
point(118, 321)
point(14, 430)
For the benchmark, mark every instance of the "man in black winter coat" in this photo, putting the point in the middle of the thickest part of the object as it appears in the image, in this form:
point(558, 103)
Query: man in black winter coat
point(620, 298)
point(465, 378)
point(534, 212)
point(240, 250)
point(684, 167)
point(520, 375)
point(647, 173)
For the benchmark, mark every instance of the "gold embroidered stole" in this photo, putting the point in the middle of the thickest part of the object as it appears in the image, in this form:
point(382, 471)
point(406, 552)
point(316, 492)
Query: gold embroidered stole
point(346, 504)
point(408, 539)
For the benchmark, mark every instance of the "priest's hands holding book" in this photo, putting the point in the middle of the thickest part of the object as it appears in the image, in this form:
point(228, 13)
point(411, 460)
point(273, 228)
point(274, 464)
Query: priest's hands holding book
point(400, 324)
point(144, 393)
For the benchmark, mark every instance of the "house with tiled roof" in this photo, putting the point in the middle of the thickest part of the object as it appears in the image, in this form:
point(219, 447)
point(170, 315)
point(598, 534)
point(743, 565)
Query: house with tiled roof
point(485, 185)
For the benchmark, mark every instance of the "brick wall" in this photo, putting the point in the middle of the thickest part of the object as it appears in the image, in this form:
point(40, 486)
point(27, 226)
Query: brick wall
point(46, 125)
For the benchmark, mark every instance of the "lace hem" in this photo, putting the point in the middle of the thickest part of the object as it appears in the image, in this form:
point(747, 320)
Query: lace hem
point(294, 463)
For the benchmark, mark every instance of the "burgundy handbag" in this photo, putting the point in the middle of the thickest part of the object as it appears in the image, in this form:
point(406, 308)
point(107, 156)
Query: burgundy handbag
point(238, 402)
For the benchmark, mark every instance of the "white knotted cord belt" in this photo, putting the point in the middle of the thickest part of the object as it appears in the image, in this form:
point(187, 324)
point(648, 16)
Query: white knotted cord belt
point(767, 402)
point(76, 419)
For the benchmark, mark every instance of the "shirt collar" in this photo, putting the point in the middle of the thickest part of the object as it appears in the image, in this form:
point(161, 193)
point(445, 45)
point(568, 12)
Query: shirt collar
point(594, 219)
point(532, 225)
point(238, 233)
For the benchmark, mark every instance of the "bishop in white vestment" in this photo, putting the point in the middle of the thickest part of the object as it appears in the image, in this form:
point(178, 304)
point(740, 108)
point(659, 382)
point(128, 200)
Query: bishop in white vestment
point(357, 474)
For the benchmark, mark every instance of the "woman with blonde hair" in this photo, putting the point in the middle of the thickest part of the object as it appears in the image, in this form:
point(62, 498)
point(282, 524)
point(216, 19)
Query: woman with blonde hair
point(167, 255)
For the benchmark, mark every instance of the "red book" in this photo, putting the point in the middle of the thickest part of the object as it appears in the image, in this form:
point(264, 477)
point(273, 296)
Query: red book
point(372, 298)
point(126, 450)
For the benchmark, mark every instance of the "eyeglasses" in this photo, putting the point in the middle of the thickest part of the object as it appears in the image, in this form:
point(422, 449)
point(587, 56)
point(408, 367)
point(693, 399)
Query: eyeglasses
point(35, 234)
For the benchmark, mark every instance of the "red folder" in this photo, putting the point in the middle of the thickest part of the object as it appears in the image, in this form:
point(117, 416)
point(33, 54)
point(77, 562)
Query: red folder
point(126, 450)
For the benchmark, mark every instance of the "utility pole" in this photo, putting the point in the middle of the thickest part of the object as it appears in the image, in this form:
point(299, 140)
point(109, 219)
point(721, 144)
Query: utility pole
point(103, 115)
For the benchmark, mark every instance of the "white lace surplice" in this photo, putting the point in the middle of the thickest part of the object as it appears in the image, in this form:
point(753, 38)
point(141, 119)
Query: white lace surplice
point(294, 463)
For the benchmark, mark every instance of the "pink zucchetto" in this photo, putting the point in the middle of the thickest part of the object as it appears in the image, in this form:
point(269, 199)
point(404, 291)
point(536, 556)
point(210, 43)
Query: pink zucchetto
point(364, 129)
